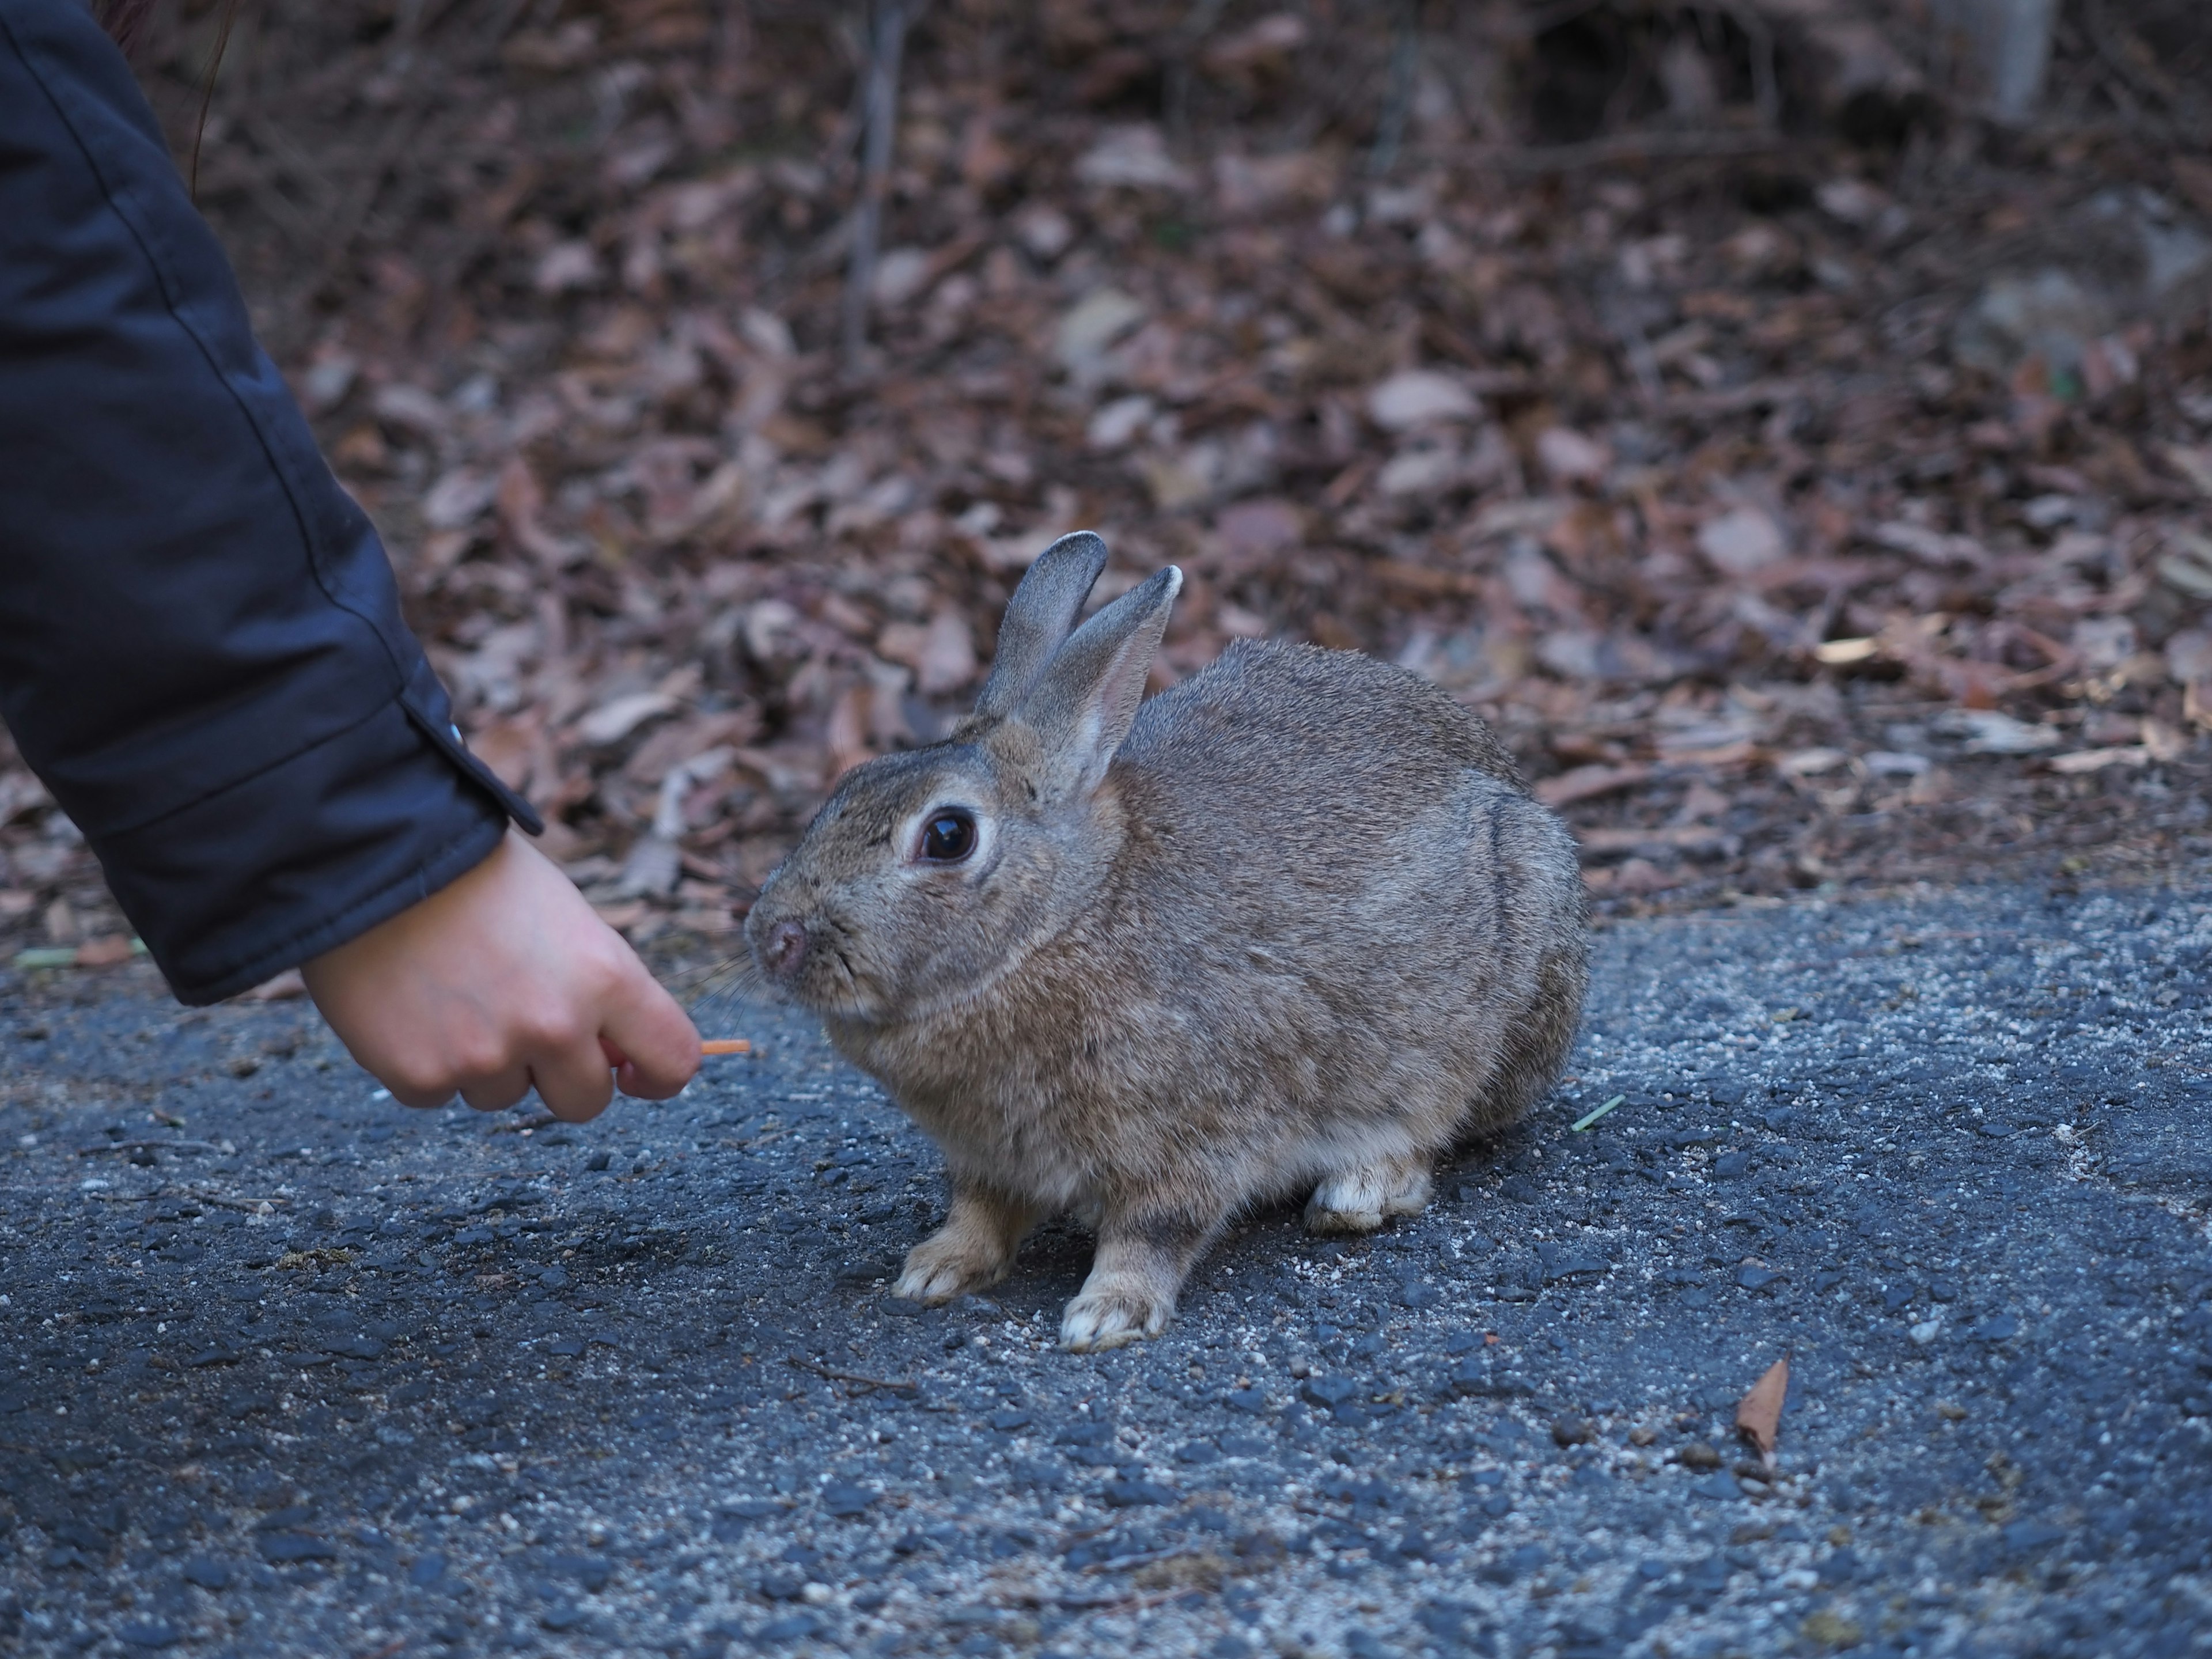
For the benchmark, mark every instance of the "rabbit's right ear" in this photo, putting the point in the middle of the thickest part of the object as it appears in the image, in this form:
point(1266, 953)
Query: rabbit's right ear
point(1039, 617)
point(1086, 701)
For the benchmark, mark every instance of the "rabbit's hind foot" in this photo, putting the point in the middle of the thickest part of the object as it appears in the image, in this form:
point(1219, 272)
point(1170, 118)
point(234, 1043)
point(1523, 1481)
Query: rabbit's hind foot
point(1357, 1200)
point(972, 1249)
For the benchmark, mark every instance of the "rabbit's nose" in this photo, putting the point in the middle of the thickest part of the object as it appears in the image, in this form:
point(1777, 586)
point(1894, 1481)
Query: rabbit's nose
point(784, 949)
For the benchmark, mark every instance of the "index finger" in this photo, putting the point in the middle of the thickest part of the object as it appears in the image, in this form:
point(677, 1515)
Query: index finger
point(658, 1043)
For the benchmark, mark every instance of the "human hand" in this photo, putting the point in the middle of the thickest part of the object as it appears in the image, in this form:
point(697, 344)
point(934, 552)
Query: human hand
point(503, 981)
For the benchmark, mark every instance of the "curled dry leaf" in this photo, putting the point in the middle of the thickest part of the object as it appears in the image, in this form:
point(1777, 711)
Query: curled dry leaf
point(1759, 1417)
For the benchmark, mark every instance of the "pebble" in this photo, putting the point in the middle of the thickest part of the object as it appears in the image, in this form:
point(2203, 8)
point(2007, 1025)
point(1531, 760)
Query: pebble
point(206, 1572)
point(1134, 1492)
point(846, 1499)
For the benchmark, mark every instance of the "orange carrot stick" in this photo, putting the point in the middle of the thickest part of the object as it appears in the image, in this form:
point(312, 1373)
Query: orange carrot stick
point(726, 1046)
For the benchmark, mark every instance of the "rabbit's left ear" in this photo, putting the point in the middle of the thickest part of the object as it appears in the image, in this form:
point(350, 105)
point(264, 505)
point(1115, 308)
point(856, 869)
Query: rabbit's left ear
point(1085, 703)
point(1039, 618)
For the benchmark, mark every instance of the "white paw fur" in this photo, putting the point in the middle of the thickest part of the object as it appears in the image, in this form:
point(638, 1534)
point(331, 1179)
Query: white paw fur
point(941, 1268)
point(1110, 1316)
point(1357, 1200)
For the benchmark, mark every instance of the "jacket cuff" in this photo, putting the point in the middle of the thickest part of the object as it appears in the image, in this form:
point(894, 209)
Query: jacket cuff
point(309, 853)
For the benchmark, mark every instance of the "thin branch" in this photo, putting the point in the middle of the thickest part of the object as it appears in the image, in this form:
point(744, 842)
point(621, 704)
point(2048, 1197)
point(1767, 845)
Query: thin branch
point(1397, 107)
point(1174, 91)
point(887, 26)
point(148, 1146)
point(893, 1384)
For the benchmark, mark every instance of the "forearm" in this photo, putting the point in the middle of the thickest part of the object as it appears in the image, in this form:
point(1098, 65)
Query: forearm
point(201, 651)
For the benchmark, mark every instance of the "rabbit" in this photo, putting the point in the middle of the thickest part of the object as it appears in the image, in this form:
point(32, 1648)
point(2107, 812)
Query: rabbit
point(1292, 927)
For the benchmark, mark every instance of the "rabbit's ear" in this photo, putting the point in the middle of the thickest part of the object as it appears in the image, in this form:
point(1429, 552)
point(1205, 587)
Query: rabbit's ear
point(1087, 701)
point(1038, 618)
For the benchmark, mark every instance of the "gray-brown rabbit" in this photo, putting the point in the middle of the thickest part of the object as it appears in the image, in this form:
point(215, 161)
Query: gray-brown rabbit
point(1293, 926)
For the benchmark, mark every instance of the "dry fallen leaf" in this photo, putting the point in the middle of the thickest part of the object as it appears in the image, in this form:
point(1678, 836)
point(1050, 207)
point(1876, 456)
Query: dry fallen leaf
point(283, 988)
point(1759, 1417)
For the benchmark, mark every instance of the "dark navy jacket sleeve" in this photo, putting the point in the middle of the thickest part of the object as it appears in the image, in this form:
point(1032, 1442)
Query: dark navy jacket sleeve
point(200, 650)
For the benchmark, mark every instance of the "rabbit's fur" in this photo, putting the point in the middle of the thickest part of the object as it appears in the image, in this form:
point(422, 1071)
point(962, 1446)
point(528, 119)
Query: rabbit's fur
point(1293, 926)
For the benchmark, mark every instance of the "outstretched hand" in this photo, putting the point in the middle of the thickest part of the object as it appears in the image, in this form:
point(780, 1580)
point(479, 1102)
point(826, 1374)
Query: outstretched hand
point(505, 980)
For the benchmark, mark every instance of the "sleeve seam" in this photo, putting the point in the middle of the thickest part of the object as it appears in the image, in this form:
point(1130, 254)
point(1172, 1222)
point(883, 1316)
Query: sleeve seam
point(260, 772)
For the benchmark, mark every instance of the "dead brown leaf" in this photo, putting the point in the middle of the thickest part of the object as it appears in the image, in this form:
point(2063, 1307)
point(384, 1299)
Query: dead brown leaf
point(1759, 1417)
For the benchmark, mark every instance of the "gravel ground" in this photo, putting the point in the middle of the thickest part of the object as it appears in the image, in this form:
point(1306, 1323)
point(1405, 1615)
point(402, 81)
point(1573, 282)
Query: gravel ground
point(285, 1369)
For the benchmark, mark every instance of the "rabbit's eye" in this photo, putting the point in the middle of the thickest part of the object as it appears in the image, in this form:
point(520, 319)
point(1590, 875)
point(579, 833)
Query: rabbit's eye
point(948, 838)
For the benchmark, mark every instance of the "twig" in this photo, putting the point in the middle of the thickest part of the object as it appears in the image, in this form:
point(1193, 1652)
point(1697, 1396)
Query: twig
point(207, 88)
point(250, 1205)
point(892, 1383)
point(1639, 146)
point(2138, 77)
point(137, 1145)
point(1766, 89)
point(887, 26)
point(1174, 90)
point(1405, 56)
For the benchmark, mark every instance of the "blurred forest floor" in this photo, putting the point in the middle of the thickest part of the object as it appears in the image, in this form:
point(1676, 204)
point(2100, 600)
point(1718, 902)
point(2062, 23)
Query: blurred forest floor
point(1811, 480)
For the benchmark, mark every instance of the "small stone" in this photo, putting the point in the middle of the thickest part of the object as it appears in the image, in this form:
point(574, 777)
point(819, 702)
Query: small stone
point(1007, 1418)
point(206, 1572)
point(1926, 1332)
point(845, 1500)
point(1697, 1455)
point(1197, 1451)
point(782, 1585)
point(591, 1571)
point(791, 1627)
point(1252, 1402)
point(1135, 1492)
point(1831, 1629)
point(1328, 1392)
point(1573, 1432)
point(152, 1633)
point(565, 1615)
point(279, 1547)
point(2025, 1535)
point(426, 1570)
point(1751, 1277)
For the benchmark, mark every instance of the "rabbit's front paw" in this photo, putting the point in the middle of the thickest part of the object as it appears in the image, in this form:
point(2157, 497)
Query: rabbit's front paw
point(1356, 1201)
point(1109, 1314)
point(946, 1264)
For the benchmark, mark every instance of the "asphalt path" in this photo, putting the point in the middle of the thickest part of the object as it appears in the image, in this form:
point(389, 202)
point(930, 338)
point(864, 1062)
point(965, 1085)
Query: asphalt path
point(287, 1370)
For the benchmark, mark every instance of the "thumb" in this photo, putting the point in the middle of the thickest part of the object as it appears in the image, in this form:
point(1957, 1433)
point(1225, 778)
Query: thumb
point(647, 1037)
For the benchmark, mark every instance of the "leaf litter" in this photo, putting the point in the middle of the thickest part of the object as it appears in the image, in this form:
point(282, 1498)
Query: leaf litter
point(1805, 503)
